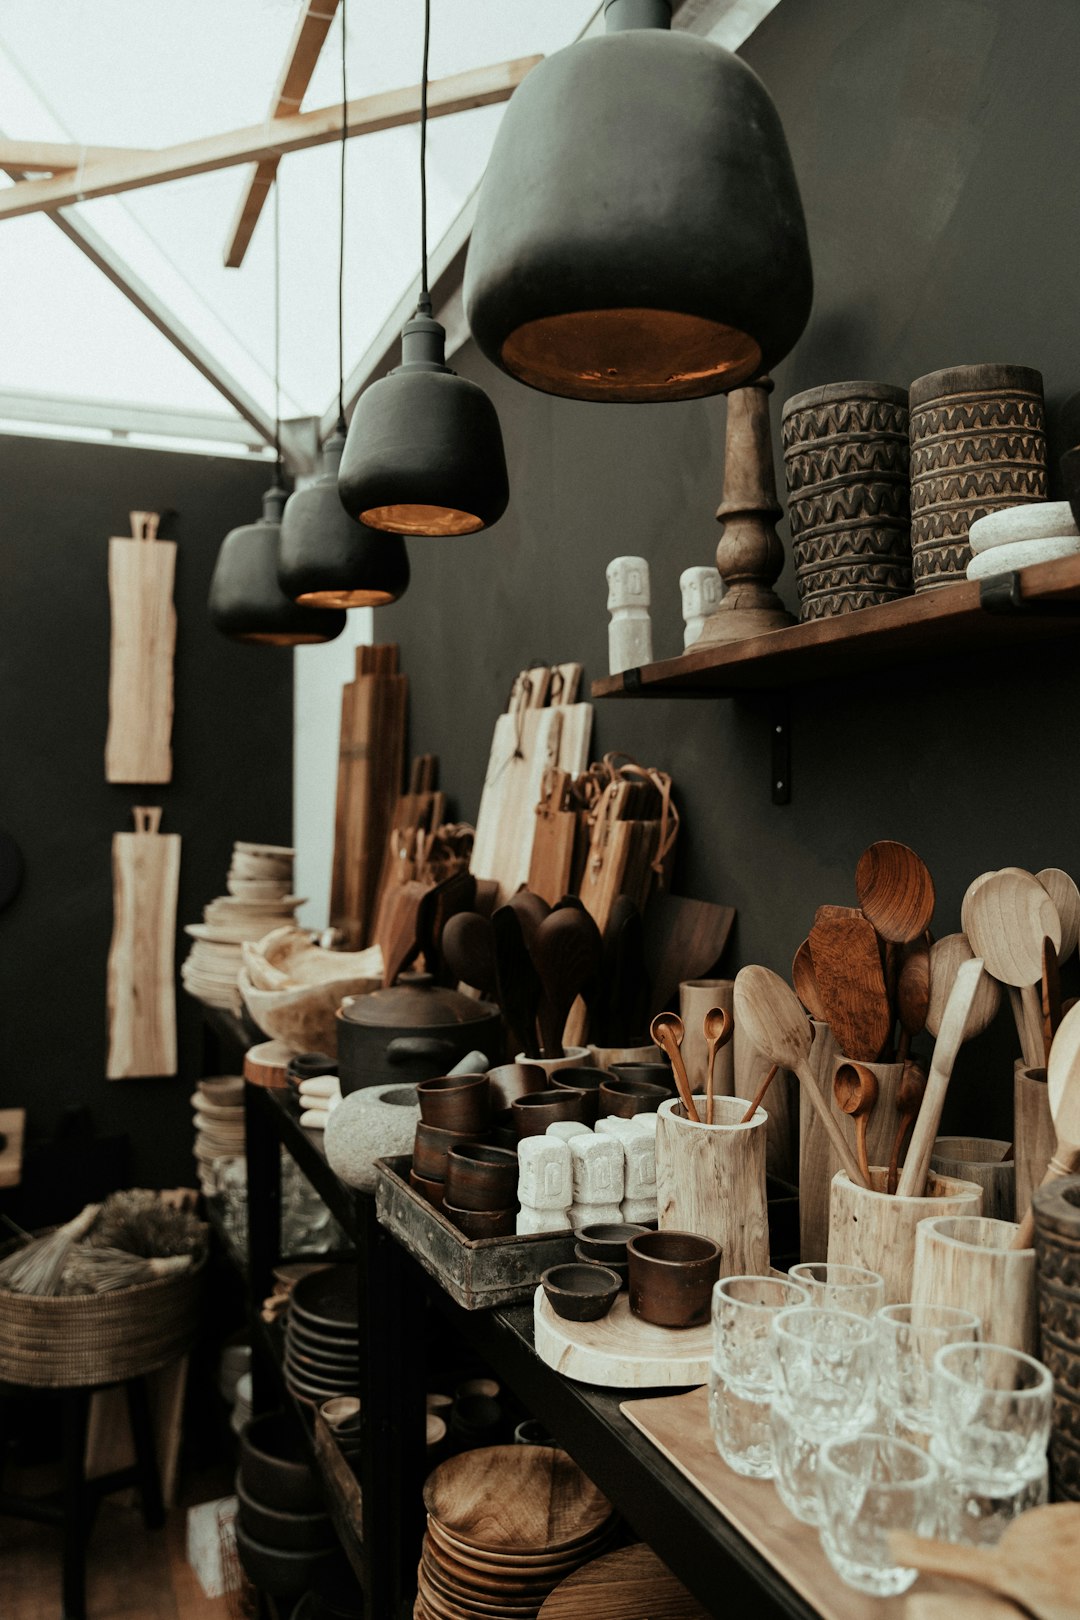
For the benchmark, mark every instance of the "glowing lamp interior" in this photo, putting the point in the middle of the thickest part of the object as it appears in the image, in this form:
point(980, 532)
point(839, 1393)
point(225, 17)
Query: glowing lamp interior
point(421, 520)
point(344, 599)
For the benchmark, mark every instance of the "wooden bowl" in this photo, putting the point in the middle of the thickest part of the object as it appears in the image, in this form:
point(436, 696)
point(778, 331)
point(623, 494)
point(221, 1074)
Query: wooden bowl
point(431, 1147)
point(625, 1098)
point(433, 1191)
point(539, 1109)
point(586, 1081)
point(512, 1080)
point(581, 1293)
point(483, 1223)
point(606, 1244)
point(671, 1277)
point(456, 1102)
point(481, 1177)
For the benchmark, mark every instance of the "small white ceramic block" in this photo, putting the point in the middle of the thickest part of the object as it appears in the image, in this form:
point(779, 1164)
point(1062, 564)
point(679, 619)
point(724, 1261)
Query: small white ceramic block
point(320, 1085)
point(564, 1129)
point(639, 1151)
point(646, 1123)
point(636, 1211)
point(630, 630)
point(614, 1125)
point(1022, 554)
point(531, 1221)
point(1036, 520)
point(545, 1180)
point(597, 1163)
point(594, 1215)
point(701, 591)
point(315, 1119)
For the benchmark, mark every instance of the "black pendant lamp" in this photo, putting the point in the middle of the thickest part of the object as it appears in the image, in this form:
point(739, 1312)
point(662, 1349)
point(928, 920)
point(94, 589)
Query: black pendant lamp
point(639, 234)
point(328, 559)
point(246, 601)
point(424, 453)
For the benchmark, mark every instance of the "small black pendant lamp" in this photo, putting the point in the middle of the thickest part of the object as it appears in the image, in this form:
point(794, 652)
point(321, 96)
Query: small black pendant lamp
point(424, 453)
point(246, 601)
point(639, 234)
point(327, 559)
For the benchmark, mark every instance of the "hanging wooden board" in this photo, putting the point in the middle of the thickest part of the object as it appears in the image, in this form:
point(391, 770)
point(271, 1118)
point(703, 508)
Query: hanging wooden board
point(370, 767)
point(12, 1130)
point(141, 972)
point(138, 747)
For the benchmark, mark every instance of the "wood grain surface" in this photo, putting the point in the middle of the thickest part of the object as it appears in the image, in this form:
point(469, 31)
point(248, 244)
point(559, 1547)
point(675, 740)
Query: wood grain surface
point(141, 990)
point(13, 1126)
point(138, 747)
point(625, 1585)
point(531, 1498)
point(621, 1351)
point(370, 764)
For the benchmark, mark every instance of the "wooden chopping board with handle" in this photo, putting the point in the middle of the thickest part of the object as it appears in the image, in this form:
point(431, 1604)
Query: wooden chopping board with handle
point(138, 747)
point(141, 971)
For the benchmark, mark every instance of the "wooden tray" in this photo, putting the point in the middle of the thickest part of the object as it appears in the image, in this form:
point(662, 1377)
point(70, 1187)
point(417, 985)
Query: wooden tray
point(620, 1351)
point(478, 1274)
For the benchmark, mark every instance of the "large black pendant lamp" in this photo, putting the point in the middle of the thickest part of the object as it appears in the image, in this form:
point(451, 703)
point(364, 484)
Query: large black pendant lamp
point(639, 234)
point(246, 601)
point(424, 453)
point(327, 559)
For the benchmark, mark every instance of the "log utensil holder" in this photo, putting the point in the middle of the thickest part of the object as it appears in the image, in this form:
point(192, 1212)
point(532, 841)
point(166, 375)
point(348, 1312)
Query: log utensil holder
point(968, 1261)
point(1034, 1137)
point(870, 1228)
point(981, 1159)
point(710, 1180)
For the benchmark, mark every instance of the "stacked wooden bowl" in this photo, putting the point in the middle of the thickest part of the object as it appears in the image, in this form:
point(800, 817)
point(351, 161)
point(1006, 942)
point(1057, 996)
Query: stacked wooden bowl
point(218, 1106)
point(253, 906)
point(506, 1524)
point(624, 1585)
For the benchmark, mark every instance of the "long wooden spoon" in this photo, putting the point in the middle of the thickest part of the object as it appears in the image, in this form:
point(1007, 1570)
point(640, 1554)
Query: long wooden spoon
point(770, 1014)
point(855, 1088)
point(895, 890)
point(516, 981)
point(1006, 917)
point(1063, 1091)
point(946, 955)
point(847, 965)
point(909, 1096)
point(1066, 897)
point(1051, 995)
point(567, 952)
point(668, 1032)
point(468, 948)
point(718, 1027)
point(1036, 1562)
point(804, 979)
point(950, 1037)
point(913, 993)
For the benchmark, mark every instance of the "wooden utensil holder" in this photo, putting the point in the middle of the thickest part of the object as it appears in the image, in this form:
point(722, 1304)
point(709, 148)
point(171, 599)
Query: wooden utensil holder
point(696, 997)
point(710, 1179)
point(966, 1261)
point(1034, 1138)
point(869, 1228)
point(606, 1057)
point(979, 1158)
point(814, 1151)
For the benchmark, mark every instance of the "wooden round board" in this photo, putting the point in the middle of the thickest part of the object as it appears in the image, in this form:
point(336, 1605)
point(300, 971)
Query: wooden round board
point(620, 1351)
point(624, 1585)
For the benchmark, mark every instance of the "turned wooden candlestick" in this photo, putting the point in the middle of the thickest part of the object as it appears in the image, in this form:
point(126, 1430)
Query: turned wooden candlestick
point(750, 556)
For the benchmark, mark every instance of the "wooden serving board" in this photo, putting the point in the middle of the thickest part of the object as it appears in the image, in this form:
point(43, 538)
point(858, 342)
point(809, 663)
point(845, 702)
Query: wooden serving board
point(13, 1126)
point(678, 1426)
point(142, 970)
point(138, 747)
point(620, 1351)
point(370, 764)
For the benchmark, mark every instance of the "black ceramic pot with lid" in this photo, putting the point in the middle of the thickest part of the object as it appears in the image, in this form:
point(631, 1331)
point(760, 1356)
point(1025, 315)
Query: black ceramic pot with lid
point(415, 1030)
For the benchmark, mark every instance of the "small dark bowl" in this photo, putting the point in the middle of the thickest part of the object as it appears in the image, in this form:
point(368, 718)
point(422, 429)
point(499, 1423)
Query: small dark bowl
point(456, 1102)
point(606, 1244)
point(282, 1574)
point(620, 1267)
point(292, 1532)
point(307, 1065)
point(431, 1147)
point(539, 1109)
point(483, 1223)
point(274, 1466)
point(481, 1177)
point(581, 1293)
point(652, 1074)
point(672, 1276)
point(588, 1082)
point(625, 1098)
point(433, 1191)
point(512, 1080)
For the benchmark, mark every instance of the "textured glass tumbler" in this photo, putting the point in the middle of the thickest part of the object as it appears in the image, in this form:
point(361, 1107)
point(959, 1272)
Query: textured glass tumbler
point(991, 1415)
point(742, 1372)
point(826, 1370)
point(840, 1288)
point(975, 1516)
point(870, 1486)
point(911, 1336)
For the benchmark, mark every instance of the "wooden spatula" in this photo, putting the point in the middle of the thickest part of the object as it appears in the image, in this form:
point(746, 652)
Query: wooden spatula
point(896, 891)
point(515, 980)
point(804, 979)
point(567, 952)
point(1006, 917)
point(913, 993)
point(950, 1037)
point(468, 947)
point(847, 967)
point(1036, 1562)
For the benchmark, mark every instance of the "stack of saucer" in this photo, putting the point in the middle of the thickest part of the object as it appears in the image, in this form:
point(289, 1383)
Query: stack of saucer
point(219, 1125)
point(322, 1352)
point(259, 880)
point(1017, 536)
point(260, 871)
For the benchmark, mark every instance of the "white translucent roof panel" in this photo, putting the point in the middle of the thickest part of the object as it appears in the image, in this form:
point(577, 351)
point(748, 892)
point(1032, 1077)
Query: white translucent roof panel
point(151, 73)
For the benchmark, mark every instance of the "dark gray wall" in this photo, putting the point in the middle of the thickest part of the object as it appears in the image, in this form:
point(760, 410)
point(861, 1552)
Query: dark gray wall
point(232, 751)
point(934, 142)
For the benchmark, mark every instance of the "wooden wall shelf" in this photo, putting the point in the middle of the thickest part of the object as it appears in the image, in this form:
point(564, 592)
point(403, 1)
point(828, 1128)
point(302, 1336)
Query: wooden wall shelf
point(1040, 601)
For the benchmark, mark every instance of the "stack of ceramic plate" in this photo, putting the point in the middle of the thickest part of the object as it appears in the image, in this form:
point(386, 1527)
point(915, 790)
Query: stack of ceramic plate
point(258, 901)
point(260, 872)
point(506, 1524)
point(321, 1336)
point(219, 1125)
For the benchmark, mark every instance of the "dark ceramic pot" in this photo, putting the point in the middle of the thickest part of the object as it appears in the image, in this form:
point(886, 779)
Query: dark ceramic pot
point(282, 1574)
point(585, 1081)
point(512, 1080)
point(581, 1293)
point(292, 1532)
point(479, 1176)
point(413, 1031)
point(433, 1191)
point(430, 1149)
point(273, 1466)
point(650, 1074)
point(456, 1102)
point(482, 1223)
point(606, 1244)
point(535, 1112)
point(625, 1098)
point(671, 1277)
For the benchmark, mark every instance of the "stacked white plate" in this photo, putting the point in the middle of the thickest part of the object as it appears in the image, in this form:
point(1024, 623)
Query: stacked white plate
point(1017, 536)
point(218, 1106)
point(259, 881)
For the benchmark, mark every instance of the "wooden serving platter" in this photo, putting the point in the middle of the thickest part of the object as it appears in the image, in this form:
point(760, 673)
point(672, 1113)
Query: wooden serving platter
point(623, 1585)
point(141, 971)
point(138, 747)
point(620, 1351)
point(13, 1127)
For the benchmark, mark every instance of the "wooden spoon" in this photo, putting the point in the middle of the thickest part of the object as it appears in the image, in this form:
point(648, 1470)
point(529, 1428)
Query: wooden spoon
point(531, 911)
point(718, 1027)
point(770, 1014)
point(759, 1095)
point(909, 1096)
point(847, 966)
point(568, 953)
point(946, 956)
point(895, 890)
point(668, 1032)
point(468, 948)
point(950, 1036)
point(1036, 1562)
point(1006, 916)
point(913, 993)
point(1063, 1091)
point(804, 979)
point(855, 1088)
point(1051, 995)
point(515, 979)
point(1066, 897)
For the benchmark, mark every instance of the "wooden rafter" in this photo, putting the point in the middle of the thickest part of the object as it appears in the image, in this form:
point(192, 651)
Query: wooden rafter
point(479, 87)
point(309, 36)
point(55, 157)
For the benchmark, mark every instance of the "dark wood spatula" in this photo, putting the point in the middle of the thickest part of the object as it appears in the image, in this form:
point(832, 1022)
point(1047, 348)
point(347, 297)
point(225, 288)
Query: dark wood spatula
point(568, 954)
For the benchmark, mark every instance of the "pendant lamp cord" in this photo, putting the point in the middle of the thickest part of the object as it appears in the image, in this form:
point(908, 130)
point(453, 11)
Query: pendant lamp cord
point(424, 303)
point(341, 225)
point(279, 474)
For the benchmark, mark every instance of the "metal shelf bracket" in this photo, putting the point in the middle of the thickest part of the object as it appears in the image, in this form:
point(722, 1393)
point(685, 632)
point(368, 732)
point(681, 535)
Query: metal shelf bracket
point(1001, 594)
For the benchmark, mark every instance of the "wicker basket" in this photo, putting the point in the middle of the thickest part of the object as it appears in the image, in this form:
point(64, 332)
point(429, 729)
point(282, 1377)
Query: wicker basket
point(84, 1340)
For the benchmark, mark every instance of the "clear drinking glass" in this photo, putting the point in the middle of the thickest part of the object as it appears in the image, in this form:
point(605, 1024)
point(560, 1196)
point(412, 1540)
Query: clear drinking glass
point(741, 1375)
point(826, 1368)
point(840, 1288)
point(975, 1516)
point(869, 1486)
point(911, 1336)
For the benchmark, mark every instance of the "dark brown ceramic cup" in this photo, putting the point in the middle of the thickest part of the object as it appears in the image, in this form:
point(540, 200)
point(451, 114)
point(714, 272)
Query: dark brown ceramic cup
point(652, 1074)
point(512, 1080)
point(481, 1177)
point(588, 1082)
point(671, 1277)
point(581, 1293)
point(625, 1098)
point(431, 1147)
point(482, 1223)
point(433, 1191)
point(606, 1244)
point(535, 1112)
point(455, 1102)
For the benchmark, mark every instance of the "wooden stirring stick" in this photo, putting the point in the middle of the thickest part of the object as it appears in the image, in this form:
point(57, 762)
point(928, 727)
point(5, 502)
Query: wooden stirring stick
point(668, 1031)
point(1051, 994)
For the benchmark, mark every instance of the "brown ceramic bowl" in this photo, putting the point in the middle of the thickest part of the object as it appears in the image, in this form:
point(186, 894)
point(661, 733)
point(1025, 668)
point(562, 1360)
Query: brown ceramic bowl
point(431, 1147)
point(581, 1293)
point(433, 1191)
point(588, 1082)
point(626, 1098)
point(652, 1074)
point(620, 1267)
point(483, 1223)
point(605, 1244)
point(512, 1080)
point(455, 1102)
point(481, 1177)
point(539, 1109)
point(671, 1277)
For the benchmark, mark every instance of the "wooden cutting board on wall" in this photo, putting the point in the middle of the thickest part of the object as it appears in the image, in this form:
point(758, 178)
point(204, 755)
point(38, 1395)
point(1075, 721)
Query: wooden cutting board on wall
point(370, 765)
point(138, 747)
point(142, 972)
